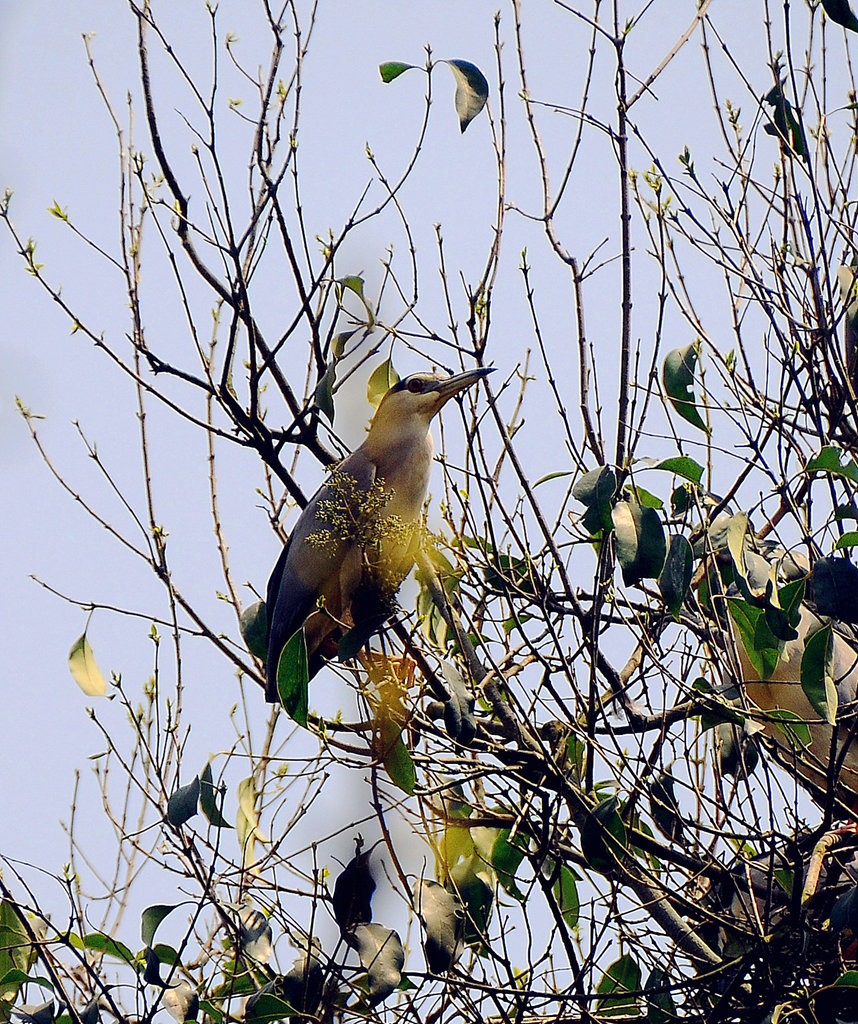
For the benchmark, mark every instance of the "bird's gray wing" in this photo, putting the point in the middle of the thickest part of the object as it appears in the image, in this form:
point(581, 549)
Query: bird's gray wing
point(303, 569)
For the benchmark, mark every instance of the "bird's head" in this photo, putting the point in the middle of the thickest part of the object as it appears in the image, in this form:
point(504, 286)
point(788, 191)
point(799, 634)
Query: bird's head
point(416, 399)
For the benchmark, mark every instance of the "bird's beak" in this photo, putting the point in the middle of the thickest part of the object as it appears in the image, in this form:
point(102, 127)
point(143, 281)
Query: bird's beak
point(453, 385)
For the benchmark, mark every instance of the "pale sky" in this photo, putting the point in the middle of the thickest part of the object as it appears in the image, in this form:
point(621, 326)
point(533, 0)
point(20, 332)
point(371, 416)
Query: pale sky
point(58, 146)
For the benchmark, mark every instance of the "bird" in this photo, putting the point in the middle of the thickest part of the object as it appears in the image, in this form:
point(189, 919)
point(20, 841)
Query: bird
point(358, 536)
point(831, 756)
point(783, 690)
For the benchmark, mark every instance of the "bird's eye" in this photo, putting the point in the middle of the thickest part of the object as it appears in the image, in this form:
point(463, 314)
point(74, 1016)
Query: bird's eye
point(415, 386)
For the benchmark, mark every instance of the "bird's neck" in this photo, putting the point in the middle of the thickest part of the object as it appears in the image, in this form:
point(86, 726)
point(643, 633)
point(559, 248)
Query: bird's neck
point(403, 461)
point(388, 442)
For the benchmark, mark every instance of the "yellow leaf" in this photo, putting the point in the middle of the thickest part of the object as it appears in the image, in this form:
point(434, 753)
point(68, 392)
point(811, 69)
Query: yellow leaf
point(86, 672)
point(247, 823)
point(381, 380)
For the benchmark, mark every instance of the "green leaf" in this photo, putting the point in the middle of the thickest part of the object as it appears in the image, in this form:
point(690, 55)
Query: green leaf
point(396, 757)
point(738, 755)
point(745, 618)
point(792, 726)
point(90, 1014)
point(848, 540)
point(15, 953)
point(471, 882)
point(381, 954)
point(381, 380)
point(166, 955)
point(41, 1013)
point(641, 547)
point(844, 913)
point(253, 626)
point(661, 1008)
point(603, 837)
point(675, 578)
point(783, 620)
point(849, 979)
point(830, 460)
point(848, 282)
point(151, 918)
point(354, 284)
point(596, 490)
point(59, 212)
point(576, 751)
point(208, 799)
point(16, 977)
point(247, 831)
point(393, 69)
point(472, 90)
point(236, 981)
point(151, 968)
point(621, 978)
point(324, 393)
point(267, 1009)
point(101, 943)
point(505, 858)
point(761, 646)
point(506, 573)
point(682, 466)
point(293, 678)
point(784, 124)
point(817, 673)
point(645, 497)
point(841, 13)
point(353, 891)
point(678, 378)
point(736, 531)
point(182, 804)
point(553, 476)
point(210, 1010)
point(83, 667)
point(565, 891)
point(338, 342)
point(680, 499)
point(665, 807)
point(712, 540)
point(442, 915)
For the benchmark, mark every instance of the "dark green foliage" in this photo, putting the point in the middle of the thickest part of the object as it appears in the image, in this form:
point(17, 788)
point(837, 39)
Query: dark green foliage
point(381, 953)
point(209, 803)
point(817, 673)
point(597, 490)
point(293, 678)
point(665, 807)
point(353, 889)
point(678, 379)
point(834, 588)
point(253, 626)
point(841, 13)
point(603, 837)
point(641, 545)
point(182, 804)
point(675, 577)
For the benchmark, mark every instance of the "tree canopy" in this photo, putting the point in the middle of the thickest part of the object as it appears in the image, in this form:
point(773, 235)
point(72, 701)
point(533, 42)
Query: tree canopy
point(593, 764)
